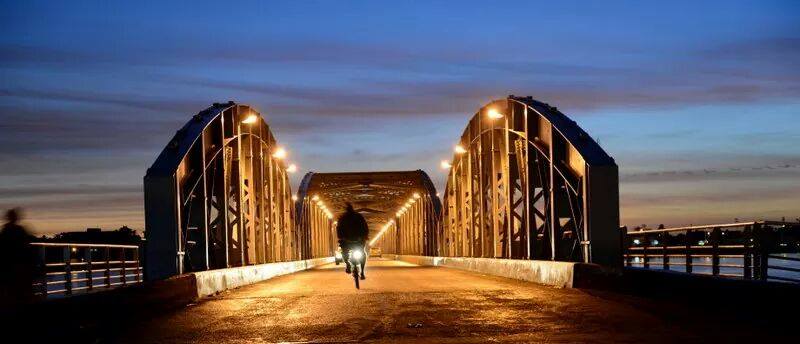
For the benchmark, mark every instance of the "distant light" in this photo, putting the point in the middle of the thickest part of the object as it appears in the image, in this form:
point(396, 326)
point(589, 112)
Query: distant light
point(437, 194)
point(459, 149)
point(636, 242)
point(445, 164)
point(493, 114)
point(252, 118)
point(701, 243)
point(316, 197)
point(294, 198)
point(416, 195)
point(655, 242)
point(279, 153)
point(74, 249)
point(292, 168)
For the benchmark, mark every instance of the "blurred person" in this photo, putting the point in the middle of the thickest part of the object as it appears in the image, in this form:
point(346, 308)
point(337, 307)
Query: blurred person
point(17, 262)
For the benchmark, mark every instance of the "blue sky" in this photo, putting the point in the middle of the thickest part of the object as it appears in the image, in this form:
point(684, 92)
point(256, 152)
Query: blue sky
point(697, 102)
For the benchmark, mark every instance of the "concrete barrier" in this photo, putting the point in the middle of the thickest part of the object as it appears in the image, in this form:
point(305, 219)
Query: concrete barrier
point(214, 281)
point(558, 274)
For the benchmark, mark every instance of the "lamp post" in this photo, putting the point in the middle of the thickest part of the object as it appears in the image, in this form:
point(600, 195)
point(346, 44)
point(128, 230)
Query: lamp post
point(250, 119)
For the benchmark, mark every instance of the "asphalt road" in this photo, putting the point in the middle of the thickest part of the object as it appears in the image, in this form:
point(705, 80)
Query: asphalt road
point(404, 303)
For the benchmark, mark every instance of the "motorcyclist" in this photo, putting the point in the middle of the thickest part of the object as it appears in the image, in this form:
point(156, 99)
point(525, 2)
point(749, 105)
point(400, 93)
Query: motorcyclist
point(353, 232)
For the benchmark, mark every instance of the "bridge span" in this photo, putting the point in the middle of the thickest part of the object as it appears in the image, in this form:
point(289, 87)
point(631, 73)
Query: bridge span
point(525, 183)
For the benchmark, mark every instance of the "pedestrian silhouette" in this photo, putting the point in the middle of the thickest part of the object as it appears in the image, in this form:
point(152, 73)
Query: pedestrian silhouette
point(17, 262)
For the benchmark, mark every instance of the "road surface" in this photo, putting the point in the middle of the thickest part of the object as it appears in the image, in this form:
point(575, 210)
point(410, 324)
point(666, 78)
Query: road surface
point(404, 303)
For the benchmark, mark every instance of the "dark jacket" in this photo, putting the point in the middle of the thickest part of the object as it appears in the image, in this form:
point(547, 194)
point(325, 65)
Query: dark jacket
point(352, 227)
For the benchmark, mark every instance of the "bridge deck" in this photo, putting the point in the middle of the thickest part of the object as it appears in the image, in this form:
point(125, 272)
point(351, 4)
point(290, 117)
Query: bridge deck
point(321, 305)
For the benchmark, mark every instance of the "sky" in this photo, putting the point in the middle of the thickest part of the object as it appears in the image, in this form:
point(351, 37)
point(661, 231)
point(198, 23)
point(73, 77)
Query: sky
point(696, 101)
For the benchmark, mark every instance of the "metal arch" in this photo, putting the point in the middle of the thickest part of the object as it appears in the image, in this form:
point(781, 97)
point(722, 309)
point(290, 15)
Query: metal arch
point(216, 198)
point(531, 185)
point(379, 196)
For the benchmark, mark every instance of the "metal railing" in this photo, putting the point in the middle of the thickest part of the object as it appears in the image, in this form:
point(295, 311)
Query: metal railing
point(70, 268)
point(756, 250)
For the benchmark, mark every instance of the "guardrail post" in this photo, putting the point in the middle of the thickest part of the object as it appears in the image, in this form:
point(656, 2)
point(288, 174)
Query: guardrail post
point(645, 246)
point(761, 256)
point(664, 255)
point(107, 252)
point(87, 256)
point(123, 273)
point(747, 255)
point(67, 257)
point(688, 260)
point(138, 268)
point(716, 236)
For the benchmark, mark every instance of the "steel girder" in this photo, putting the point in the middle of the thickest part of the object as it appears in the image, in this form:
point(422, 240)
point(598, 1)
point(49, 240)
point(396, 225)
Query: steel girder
point(530, 184)
point(216, 197)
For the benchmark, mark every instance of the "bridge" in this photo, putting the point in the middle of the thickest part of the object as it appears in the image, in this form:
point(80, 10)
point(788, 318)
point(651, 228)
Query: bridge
point(526, 182)
point(522, 245)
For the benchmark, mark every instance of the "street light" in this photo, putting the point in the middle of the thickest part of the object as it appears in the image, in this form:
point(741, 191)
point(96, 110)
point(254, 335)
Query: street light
point(279, 153)
point(493, 114)
point(459, 149)
point(292, 168)
point(252, 118)
point(294, 198)
point(445, 164)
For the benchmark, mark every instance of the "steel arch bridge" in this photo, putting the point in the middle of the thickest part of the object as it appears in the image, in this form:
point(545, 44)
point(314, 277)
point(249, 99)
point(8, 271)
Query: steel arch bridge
point(525, 183)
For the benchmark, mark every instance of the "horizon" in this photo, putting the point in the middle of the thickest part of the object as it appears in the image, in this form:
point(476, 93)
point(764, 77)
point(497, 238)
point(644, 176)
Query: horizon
point(697, 103)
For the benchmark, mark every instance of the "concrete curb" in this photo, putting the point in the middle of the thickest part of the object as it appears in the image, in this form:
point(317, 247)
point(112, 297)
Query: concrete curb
point(214, 281)
point(557, 274)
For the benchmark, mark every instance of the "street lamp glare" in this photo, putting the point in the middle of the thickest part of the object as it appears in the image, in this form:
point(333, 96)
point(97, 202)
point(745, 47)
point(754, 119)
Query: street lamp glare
point(252, 118)
point(459, 149)
point(292, 168)
point(445, 164)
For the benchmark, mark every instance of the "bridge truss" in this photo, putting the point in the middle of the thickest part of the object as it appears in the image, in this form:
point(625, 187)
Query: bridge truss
point(401, 208)
point(218, 196)
point(526, 182)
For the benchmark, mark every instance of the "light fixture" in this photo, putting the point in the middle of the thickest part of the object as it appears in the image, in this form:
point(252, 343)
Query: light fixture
point(445, 164)
point(493, 114)
point(316, 197)
point(252, 118)
point(292, 168)
point(416, 195)
point(279, 153)
point(294, 198)
point(459, 149)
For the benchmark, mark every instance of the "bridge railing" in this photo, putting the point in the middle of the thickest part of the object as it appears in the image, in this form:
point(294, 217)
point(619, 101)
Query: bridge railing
point(759, 250)
point(70, 268)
